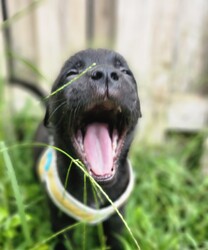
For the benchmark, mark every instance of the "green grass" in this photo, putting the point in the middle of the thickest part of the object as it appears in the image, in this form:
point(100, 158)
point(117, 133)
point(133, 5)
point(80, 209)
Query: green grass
point(168, 208)
point(17, 194)
point(170, 202)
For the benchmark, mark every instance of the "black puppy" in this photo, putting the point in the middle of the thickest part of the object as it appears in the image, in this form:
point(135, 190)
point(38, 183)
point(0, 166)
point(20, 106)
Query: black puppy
point(92, 119)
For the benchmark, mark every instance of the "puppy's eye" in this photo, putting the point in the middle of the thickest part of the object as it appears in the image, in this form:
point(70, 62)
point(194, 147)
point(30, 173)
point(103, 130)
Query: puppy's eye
point(72, 72)
point(126, 72)
point(79, 65)
point(117, 63)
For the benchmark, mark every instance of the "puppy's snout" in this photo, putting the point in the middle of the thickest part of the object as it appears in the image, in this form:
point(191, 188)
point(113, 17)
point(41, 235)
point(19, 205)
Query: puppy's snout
point(105, 74)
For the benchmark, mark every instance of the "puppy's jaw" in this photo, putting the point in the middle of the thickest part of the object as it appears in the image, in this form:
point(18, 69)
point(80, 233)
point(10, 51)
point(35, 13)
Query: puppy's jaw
point(99, 139)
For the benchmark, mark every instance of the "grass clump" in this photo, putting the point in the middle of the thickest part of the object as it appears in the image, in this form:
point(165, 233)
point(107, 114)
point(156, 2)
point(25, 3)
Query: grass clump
point(169, 205)
point(167, 210)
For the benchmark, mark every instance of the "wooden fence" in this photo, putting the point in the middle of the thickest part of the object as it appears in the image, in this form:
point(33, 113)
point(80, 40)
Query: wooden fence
point(165, 42)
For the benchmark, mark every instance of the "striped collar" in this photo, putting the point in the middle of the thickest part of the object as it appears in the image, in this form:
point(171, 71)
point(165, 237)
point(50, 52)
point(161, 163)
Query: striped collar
point(48, 174)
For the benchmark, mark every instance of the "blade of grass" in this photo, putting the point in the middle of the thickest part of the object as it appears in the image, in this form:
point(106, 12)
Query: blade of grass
point(20, 14)
point(100, 225)
point(17, 194)
point(30, 65)
point(80, 165)
point(67, 177)
point(55, 235)
point(85, 202)
point(73, 80)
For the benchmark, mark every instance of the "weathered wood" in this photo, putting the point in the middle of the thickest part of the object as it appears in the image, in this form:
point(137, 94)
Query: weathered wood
point(165, 43)
point(2, 53)
point(204, 159)
point(60, 30)
point(24, 44)
point(104, 23)
point(145, 38)
point(188, 113)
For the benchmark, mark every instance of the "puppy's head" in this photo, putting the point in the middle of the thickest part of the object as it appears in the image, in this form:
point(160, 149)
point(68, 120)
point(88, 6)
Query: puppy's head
point(94, 117)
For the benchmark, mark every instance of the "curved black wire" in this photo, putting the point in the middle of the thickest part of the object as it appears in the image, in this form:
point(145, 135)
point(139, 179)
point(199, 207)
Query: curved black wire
point(32, 87)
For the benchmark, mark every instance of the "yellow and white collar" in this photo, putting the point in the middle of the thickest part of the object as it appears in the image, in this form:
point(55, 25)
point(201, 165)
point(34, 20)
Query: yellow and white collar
point(48, 174)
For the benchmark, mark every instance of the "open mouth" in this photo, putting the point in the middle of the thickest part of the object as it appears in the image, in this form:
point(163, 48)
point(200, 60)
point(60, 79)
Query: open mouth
point(98, 138)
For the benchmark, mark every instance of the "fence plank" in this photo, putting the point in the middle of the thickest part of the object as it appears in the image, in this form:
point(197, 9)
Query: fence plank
point(60, 31)
point(24, 44)
point(104, 23)
point(2, 53)
point(187, 113)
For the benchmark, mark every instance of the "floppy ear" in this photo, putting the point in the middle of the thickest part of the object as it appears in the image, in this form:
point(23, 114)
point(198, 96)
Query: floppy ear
point(140, 113)
point(46, 120)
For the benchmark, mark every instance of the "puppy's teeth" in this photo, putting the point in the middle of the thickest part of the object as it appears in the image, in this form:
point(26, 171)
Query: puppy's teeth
point(80, 139)
point(114, 141)
point(114, 144)
point(90, 171)
point(119, 109)
point(82, 147)
point(114, 147)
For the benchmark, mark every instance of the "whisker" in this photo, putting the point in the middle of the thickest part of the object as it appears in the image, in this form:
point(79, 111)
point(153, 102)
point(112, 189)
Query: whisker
point(59, 100)
point(57, 108)
point(76, 111)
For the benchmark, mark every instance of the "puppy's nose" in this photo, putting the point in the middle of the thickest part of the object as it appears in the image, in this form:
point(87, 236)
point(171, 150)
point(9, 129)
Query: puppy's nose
point(97, 75)
point(105, 74)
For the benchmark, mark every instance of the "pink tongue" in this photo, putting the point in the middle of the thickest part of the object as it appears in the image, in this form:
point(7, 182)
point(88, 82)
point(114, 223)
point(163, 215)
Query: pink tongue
point(98, 148)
